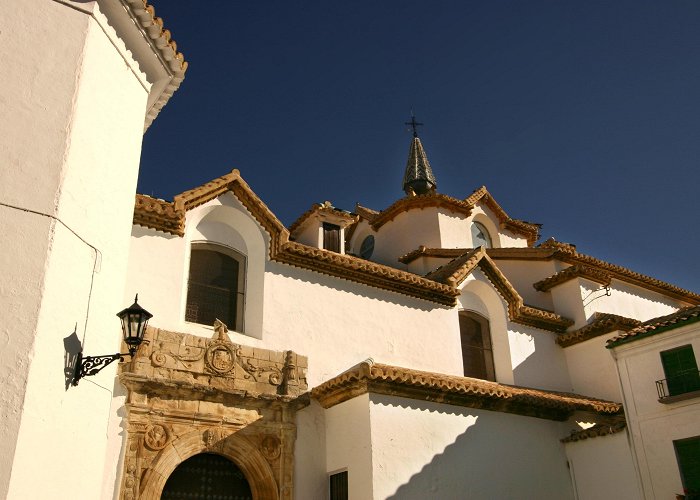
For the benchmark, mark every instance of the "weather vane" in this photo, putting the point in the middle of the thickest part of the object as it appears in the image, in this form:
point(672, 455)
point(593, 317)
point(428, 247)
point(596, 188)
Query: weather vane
point(414, 124)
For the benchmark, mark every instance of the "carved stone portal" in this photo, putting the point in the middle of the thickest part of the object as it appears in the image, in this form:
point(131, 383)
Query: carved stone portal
point(190, 395)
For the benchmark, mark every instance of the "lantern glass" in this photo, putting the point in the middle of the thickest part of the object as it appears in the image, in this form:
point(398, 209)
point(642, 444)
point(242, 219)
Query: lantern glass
point(134, 320)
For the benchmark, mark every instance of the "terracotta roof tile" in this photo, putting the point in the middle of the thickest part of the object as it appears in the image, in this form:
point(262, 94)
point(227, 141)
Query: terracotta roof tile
point(366, 213)
point(422, 251)
point(420, 202)
point(575, 271)
point(169, 217)
point(601, 324)
point(372, 377)
point(567, 253)
point(325, 207)
point(685, 316)
point(152, 27)
point(529, 229)
point(457, 270)
point(596, 431)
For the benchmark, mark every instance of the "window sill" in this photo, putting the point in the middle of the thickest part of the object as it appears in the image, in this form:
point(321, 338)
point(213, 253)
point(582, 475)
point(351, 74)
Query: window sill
point(679, 397)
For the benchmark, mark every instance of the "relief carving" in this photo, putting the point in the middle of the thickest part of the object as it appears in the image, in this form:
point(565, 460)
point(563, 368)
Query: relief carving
point(156, 437)
point(270, 447)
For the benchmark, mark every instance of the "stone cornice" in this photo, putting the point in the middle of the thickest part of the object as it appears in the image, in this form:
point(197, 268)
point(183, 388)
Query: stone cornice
point(602, 323)
point(456, 271)
point(685, 316)
point(370, 377)
point(575, 271)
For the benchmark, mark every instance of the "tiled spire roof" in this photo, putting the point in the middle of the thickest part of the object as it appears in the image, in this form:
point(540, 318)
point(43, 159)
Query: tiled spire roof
point(419, 178)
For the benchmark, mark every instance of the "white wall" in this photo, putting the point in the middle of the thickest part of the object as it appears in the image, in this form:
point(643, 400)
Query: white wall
point(430, 450)
point(406, 233)
point(626, 300)
point(78, 104)
point(522, 274)
point(349, 445)
point(654, 425)
point(602, 467)
point(310, 472)
point(592, 369)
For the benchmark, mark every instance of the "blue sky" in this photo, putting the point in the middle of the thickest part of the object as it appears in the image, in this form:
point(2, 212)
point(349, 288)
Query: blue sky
point(581, 116)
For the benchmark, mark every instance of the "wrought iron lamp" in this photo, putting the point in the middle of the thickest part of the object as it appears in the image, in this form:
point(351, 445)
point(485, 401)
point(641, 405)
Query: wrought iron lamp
point(134, 320)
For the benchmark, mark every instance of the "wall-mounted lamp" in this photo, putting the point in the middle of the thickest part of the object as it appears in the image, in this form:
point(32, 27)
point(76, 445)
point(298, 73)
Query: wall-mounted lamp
point(134, 320)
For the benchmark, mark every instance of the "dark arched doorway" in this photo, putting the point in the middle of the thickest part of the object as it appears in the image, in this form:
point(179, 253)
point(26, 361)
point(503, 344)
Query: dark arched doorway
point(207, 477)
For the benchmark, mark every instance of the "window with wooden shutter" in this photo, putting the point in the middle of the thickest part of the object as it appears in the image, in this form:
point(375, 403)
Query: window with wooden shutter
point(681, 370)
point(688, 457)
point(477, 352)
point(331, 237)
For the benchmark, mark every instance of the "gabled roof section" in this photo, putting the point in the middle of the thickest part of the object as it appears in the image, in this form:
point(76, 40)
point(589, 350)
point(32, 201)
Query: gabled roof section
point(685, 316)
point(377, 378)
point(528, 229)
point(366, 213)
point(565, 252)
point(457, 270)
point(169, 217)
point(601, 324)
point(465, 207)
point(575, 271)
point(419, 202)
point(323, 208)
point(144, 16)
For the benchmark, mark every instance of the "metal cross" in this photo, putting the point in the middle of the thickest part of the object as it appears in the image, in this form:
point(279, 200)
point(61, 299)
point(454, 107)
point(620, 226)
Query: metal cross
point(413, 123)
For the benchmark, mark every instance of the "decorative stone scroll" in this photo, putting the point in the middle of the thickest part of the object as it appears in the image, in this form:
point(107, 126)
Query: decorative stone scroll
point(190, 395)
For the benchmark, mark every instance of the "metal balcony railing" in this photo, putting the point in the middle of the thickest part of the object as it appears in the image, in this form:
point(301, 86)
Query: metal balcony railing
point(683, 383)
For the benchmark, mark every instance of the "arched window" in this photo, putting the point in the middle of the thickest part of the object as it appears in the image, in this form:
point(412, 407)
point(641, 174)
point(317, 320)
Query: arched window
point(480, 236)
point(216, 286)
point(477, 353)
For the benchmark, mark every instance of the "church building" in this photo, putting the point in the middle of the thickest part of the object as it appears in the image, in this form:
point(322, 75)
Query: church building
point(435, 348)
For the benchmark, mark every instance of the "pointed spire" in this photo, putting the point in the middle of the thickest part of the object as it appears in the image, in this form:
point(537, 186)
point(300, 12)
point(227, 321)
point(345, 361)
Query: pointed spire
point(419, 178)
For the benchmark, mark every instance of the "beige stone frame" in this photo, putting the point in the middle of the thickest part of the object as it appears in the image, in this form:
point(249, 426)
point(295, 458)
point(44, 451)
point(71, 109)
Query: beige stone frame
point(236, 448)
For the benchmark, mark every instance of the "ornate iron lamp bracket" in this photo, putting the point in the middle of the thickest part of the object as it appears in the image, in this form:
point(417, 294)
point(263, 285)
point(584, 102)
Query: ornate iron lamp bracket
point(90, 365)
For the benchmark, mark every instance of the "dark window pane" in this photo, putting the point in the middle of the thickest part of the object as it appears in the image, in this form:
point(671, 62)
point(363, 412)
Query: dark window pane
point(331, 237)
point(339, 486)
point(212, 290)
point(477, 356)
point(688, 456)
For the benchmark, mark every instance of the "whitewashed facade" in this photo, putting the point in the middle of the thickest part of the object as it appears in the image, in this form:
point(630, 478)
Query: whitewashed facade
point(351, 335)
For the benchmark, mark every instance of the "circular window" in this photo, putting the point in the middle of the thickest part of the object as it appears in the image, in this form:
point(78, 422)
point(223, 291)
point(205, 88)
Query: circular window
point(367, 247)
point(480, 236)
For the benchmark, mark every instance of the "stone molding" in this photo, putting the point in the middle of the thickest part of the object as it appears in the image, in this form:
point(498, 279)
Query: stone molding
point(371, 377)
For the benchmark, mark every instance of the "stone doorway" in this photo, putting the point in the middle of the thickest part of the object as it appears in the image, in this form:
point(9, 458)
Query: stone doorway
point(207, 476)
